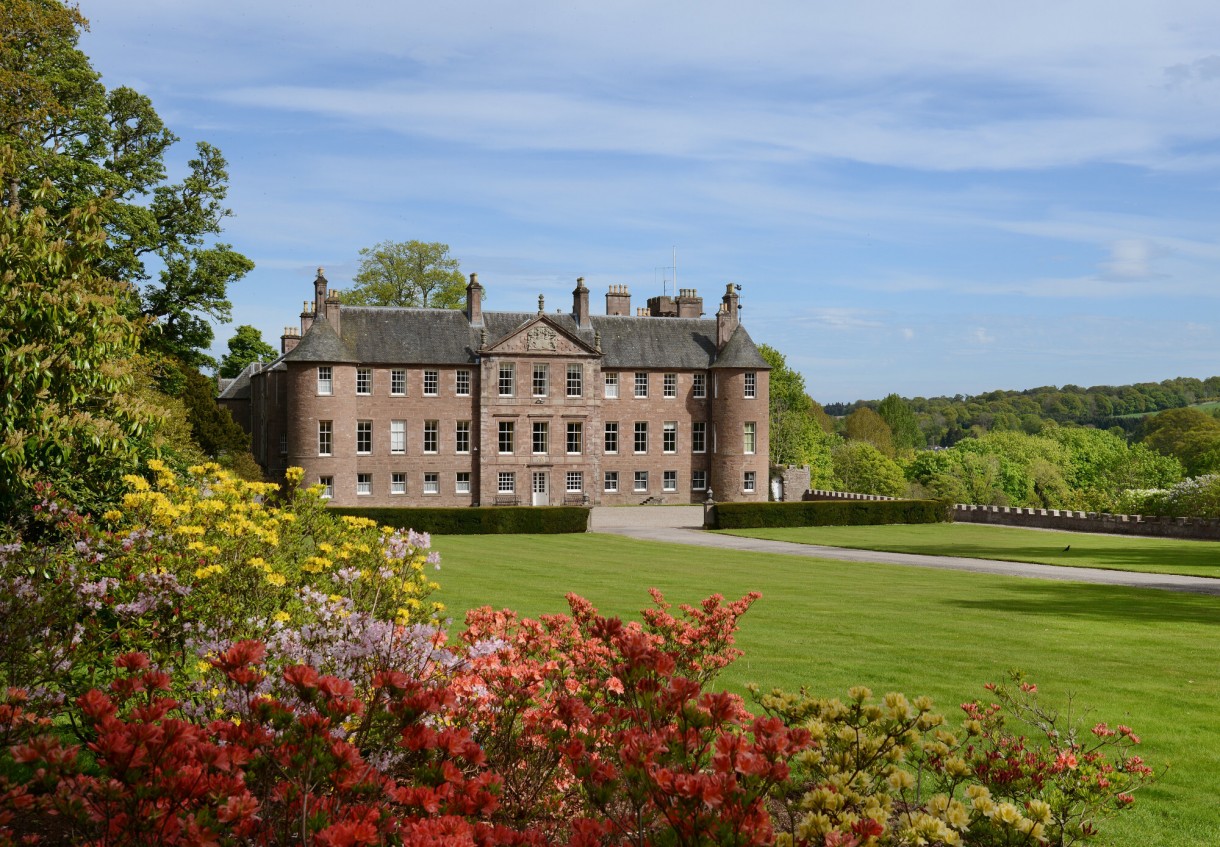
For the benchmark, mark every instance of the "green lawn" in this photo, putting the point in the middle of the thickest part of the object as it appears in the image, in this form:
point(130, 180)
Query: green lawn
point(1150, 659)
point(977, 541)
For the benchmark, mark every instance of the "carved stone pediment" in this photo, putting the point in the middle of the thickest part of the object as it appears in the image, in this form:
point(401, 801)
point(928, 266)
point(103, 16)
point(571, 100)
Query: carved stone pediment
point(540, 337)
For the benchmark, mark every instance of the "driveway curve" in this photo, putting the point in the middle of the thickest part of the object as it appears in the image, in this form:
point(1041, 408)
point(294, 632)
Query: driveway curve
point(651, 530)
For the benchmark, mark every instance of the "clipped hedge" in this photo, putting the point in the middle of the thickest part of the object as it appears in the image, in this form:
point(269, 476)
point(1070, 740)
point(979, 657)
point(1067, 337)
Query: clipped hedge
point(484, 520)
point(831, 513)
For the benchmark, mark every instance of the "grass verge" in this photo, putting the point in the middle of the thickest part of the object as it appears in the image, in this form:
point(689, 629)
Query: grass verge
point(975, 541)
point(1150, 659)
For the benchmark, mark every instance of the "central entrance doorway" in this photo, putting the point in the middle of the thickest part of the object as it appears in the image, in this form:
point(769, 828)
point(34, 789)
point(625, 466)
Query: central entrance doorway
point(541, 495)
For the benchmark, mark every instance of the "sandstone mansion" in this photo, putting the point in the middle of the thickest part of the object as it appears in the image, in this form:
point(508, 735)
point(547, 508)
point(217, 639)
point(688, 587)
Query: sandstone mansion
point(390, 406)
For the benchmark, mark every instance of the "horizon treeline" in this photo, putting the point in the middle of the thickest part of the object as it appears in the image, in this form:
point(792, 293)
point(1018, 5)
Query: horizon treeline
point(946, 420)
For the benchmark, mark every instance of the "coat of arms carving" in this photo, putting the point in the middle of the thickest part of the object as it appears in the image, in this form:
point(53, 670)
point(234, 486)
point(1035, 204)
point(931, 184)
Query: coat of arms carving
point(540, 338)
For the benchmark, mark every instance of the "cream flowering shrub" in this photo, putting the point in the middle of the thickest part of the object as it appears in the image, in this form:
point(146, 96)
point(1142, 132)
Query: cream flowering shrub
point(193, 563)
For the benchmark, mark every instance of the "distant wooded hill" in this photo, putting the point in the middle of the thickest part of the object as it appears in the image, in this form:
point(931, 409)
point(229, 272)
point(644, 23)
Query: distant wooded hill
point(946, 420)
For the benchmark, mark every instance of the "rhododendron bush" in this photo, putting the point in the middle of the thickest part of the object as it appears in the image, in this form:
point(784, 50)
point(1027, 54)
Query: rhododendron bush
point(224, 663)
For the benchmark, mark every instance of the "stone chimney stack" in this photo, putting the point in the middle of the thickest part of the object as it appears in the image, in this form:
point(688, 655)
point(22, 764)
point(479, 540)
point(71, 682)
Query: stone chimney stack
point(474, 301)
point(618, 300)
point(332, 310)
point(319, 293)
point(580, 304)
point(690, 304)
point(290, 339)
point(307, 315)
point(726, 319)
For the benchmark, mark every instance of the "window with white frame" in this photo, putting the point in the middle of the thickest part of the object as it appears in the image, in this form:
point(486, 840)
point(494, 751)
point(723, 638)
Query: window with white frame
point(541, 440)
point(669, 437)
point(641, 384)
point(506, 482)
point(364, 437)
point(641, 481)
point(461, 482)
point(398, 382)
point(576, 438)
point(326, 433)
point(576, 380)
point(540, 379)
point(505, 436)
point(698, 480)
point(611, 380)
point(610, 482)
point(364, 484)
point(398, 436)
point(611, 441)
point(669, 481)
point(641, 437)
point(328, 486)
point(461, 383)
point(432, 482)
point(507, 378)
point(326, 380)
point(751, 385)
point(747, 483)
point(398, 482)
point(670, 386)
point(698, 385)
point(698, 436)
point(364, 380)
point(749, 431)
point(574, 482)
point(432, 383)
point(461, 437)
point(432, 430)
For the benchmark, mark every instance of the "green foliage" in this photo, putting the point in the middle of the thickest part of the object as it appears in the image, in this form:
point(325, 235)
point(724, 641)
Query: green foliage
point(862, 468)
point(831, 513)
point(407, 273)
point(488, 520)
point(1190, 435)
point(1064, 468)
point(109, 147)
point(798, 436)
point(866, 425)
point(68, 351)
point(901, 421)
point(245, 346)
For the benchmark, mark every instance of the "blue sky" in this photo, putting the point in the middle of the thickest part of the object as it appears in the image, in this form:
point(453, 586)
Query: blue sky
point(922, 198)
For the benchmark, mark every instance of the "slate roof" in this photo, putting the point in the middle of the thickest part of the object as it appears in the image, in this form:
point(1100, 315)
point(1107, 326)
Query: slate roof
point(392, 335)
point(237, 388)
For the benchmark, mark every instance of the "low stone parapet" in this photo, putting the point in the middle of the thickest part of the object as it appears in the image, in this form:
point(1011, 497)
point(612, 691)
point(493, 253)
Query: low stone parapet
point(1074, 521)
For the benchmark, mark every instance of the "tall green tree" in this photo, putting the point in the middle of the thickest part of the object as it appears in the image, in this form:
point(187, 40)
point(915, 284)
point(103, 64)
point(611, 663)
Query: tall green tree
point(901, 420)
point(1192, 436)
point(71, 417)
point(245, 346)
point(109, 148)
point(862, 468)
point(866, 425)
point(407, 273)
point(797, 438)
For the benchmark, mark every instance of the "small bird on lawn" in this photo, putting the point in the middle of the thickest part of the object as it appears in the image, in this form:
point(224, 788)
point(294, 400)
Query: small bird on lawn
point(1069, 547)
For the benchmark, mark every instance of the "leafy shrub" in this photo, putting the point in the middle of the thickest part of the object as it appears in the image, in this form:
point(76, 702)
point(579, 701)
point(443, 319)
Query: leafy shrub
point(831, 513)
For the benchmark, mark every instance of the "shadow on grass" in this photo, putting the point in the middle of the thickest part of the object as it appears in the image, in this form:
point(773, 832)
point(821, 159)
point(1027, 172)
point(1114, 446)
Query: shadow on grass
point(1099, 602)
point(1197, 562)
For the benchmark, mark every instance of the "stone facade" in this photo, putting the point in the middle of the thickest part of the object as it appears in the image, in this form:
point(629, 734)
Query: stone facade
point(390, 406)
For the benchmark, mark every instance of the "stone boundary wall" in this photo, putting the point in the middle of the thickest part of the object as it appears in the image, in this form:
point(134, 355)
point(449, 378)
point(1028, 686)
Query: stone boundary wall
point(1062, 519)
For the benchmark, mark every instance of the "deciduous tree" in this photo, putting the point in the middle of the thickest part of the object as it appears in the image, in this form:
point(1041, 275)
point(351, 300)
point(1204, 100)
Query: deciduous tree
point(407, 273)
point(245, 346)
point(109, 148)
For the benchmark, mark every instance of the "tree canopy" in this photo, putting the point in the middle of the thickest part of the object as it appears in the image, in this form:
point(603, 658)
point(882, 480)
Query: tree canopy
point(109, 148)
point(797, 437)
point(407, 273)
point(245, 346)
point(70, 415)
